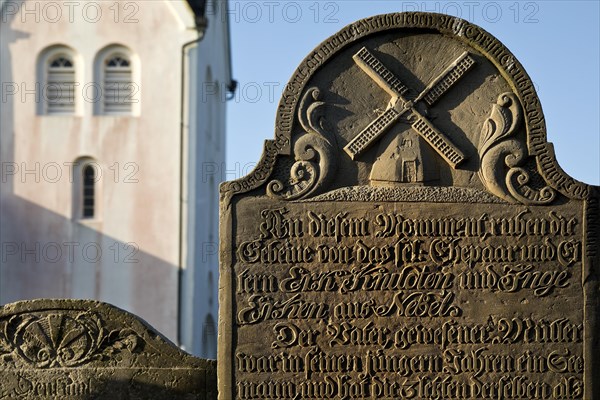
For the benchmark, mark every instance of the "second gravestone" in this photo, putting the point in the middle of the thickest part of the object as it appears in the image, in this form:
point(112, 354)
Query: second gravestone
point(408, 232)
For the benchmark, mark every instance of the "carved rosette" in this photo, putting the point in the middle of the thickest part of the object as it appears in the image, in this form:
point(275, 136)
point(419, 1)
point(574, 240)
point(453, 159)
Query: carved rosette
point(62, 339)
point(503, 158)
point(314, 153)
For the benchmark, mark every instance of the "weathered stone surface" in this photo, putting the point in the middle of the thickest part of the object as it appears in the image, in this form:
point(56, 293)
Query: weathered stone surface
point(80, 350)
point(408, 232)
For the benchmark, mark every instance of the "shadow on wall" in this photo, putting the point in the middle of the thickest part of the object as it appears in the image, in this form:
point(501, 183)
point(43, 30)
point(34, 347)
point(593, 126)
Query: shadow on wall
point(42, 263)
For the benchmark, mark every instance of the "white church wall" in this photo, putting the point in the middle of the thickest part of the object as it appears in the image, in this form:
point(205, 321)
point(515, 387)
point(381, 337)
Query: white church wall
point(128, 253)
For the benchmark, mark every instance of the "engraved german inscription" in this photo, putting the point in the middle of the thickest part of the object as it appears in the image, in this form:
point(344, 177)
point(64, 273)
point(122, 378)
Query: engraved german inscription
point(412, 302)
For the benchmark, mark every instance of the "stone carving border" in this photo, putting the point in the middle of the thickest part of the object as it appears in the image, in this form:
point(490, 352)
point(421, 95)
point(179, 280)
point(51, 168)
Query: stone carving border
point(462, 30)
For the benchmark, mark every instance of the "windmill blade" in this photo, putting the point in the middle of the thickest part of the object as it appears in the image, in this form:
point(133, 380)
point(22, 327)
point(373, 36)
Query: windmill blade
point(447, 79)
point(369, 135)
point(438, 141)
point(379, 73)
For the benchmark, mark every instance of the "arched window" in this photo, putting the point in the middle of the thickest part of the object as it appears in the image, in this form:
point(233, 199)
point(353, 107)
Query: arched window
point(88, 205)
point(212, 94)
point(86, 190)
point(118, 85)
point(57, 77)
point(211, 284)
point(116, 70)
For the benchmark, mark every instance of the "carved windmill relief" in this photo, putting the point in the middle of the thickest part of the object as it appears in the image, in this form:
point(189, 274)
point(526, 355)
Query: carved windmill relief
point(403, 160)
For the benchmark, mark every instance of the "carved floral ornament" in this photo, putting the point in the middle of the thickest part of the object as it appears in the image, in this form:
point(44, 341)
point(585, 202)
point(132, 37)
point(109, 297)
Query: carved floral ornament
point(310, 150)
point(62, 339)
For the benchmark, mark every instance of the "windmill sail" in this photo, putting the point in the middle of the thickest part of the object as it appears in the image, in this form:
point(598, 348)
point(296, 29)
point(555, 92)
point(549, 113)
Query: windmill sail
point(447, 79)
point(379, 73)
point(438, 141)
point(369, 135)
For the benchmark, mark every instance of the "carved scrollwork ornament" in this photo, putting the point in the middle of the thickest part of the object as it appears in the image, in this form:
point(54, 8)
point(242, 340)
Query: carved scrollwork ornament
point(503, 157)
point(314, 153)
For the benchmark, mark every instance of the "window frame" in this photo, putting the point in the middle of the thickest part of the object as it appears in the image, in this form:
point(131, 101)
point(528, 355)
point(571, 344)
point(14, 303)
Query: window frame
point(100, 73)
point(81, 190)
point(88, 191)
point(45, 58)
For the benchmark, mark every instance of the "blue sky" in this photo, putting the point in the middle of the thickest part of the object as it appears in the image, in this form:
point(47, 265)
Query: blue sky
point(558, 42)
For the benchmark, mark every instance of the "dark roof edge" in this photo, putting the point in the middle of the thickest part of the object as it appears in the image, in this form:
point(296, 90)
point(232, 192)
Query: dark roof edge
point(198, 7)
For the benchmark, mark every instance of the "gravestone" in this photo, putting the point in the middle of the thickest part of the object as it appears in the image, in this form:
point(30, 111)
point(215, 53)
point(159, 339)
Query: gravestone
point(408, 232)
point(82, 350)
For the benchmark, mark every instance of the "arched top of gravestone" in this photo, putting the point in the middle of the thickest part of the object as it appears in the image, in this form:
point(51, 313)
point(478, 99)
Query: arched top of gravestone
point(410, 107)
